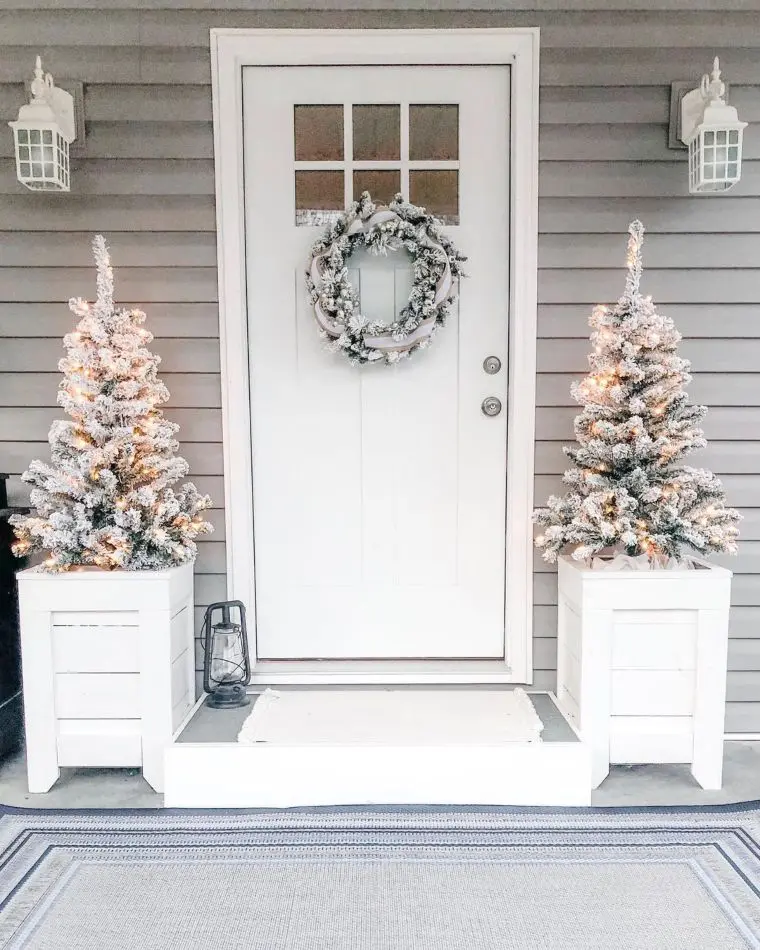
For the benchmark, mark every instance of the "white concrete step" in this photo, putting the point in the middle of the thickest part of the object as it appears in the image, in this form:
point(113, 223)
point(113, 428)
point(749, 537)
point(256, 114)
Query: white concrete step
point(372, 761)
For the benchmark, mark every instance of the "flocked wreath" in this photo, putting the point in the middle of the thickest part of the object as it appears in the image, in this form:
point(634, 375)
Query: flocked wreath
point(436, 267)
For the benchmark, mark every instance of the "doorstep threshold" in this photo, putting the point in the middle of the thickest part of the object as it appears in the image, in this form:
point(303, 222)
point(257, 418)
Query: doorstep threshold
point(364, 672)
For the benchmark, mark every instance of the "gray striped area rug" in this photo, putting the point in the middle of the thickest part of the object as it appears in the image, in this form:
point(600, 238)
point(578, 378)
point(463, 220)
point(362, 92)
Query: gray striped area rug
point(381, 879)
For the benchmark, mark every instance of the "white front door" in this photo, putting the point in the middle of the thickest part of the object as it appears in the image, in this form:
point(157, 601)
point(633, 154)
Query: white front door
point(379, 491)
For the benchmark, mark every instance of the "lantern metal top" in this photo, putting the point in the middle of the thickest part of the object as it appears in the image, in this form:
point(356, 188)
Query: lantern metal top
point(49, 106)
point(706, 106)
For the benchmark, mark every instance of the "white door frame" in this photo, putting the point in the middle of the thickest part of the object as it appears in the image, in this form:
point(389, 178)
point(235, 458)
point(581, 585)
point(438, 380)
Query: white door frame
point(231, 51)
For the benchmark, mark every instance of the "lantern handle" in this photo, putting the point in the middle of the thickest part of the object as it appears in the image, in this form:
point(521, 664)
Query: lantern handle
point(221, 604)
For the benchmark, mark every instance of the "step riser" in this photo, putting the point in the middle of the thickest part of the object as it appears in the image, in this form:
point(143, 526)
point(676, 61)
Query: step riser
point(227, 775)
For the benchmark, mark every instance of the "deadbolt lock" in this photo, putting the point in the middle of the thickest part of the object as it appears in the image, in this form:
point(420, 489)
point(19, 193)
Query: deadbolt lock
point(492, 365)
point(491, 406)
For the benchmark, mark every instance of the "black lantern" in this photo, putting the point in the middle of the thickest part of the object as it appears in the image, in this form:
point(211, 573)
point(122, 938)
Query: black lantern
point(226, 666)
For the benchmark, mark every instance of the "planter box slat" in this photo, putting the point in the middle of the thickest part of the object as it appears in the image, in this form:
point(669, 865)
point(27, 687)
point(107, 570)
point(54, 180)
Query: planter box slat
point(640, 642)
point(177, 631)
point(652, 692)
point(647, 739)
point(104, 742)
point(95, 649)
point(97, 695)
point(181, 709)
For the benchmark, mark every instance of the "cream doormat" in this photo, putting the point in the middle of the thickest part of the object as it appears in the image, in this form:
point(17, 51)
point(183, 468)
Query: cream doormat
point(431, 717)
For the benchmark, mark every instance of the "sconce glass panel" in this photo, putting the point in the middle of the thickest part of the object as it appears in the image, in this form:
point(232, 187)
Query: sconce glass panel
point(714, 160)
point(42, 159)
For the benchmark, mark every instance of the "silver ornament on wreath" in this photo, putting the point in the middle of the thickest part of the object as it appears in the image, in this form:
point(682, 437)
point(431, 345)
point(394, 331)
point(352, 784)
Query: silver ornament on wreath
point(436, 268)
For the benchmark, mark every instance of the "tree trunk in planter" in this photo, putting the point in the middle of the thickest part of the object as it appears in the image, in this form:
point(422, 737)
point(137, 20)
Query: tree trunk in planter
point(108, 668)
point(11, 716)
point(641, 664)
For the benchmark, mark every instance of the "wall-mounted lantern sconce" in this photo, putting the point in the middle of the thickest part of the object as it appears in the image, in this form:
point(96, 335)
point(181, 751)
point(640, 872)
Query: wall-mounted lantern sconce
point(711, 130)
point(43, 132)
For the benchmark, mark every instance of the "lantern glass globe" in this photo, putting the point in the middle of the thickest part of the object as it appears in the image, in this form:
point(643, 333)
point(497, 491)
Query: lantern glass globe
point(42, 157)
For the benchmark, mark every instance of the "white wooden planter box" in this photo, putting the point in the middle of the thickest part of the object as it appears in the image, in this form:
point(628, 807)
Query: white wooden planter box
point(108, 667)
point(641, 665)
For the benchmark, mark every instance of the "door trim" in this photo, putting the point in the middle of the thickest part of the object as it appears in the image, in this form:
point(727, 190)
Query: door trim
point(231, 51)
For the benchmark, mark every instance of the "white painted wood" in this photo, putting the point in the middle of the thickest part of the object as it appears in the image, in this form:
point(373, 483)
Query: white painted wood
point(417, 529)
point(231, 775)
point(179, 678)
point(710, 695)
point(99, 742)
point(104, 686)
point(650, 692)
point(94, 649)
point(595, 689)
point(155, 681)
point(639, 642)
point(653, 648)
point(388, 672)
point(180, 710)
point(178, 633)
point(106, 591)
point(234, 49)
point(647, 739)
point(96, 695)
point(182, 703)
point(39, 704)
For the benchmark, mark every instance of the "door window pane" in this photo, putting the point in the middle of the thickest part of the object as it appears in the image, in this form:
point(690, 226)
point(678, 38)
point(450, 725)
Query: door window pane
point(382, 185)
point(437, 191)
point(434, 133)
point(318, 133)
point(377, 133)
point(319, 196)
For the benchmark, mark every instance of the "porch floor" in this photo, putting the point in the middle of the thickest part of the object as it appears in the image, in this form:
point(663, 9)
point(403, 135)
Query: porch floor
point(215, 725)
point(627, 786)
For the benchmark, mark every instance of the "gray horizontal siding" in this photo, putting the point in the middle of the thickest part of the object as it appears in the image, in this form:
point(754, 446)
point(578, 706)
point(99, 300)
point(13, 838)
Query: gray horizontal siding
point(147, 183)
point(330, 5)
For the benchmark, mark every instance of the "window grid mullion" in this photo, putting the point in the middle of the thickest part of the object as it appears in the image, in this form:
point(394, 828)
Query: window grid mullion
point(348, 153)
point(404, 152)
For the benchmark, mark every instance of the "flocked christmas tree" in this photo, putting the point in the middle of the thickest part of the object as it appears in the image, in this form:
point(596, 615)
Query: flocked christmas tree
point(627, 489)
point(106, 498)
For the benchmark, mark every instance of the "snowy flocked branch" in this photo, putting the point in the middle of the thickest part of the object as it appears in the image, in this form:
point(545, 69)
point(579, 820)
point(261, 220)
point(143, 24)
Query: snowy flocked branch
point(106, 497)
point(627, 490)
